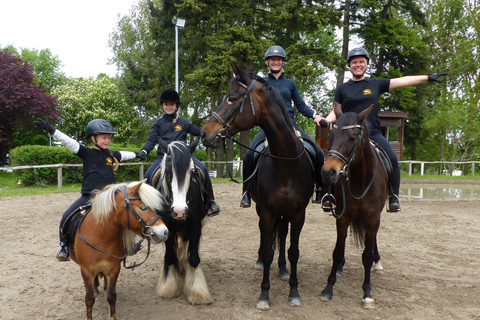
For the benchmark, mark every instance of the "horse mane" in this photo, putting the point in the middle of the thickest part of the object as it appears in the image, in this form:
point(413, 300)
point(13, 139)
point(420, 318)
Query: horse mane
point(181, 158)
point(103, 201)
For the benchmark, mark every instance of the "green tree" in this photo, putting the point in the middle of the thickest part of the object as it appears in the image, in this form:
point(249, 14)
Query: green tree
point(82, 100)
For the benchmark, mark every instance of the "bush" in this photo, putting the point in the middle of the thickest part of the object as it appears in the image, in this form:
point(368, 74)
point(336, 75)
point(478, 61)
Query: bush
point(43, 155)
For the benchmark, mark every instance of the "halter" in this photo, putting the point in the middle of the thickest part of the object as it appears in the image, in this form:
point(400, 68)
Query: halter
point(145, 226)
point(346, 169)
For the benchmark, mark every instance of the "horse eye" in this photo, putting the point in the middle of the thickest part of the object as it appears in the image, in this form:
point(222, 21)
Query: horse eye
point(231, 100)
point(143, 208)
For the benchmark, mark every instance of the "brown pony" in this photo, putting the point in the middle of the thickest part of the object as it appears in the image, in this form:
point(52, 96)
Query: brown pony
point(353, 166)
point(284, 181)
point(107, 233)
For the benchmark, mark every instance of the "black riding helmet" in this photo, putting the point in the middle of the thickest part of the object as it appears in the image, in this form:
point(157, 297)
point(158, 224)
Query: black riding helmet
point(98, 126)
point(275, 51)
point(357, 52)
point(170, 95)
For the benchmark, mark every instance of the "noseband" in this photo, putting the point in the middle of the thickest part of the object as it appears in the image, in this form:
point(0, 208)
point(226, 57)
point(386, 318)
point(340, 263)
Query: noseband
point(239, 108)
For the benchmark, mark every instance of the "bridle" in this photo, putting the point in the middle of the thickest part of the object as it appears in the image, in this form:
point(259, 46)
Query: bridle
point(145, 234)
point(346, 168)
point(223, 133)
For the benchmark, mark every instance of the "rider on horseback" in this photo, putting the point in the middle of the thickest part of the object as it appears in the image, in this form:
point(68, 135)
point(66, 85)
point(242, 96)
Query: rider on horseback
point(275, 57)
point(170, 127)
point(99, 164)
point(359, 93)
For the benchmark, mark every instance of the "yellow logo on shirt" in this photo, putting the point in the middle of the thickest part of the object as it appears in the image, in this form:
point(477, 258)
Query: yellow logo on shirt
point(367, 91)
point(178, 127)
point(109, 161)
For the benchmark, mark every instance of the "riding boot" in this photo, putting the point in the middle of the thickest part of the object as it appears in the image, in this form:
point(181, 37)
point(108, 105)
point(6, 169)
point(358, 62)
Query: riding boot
point(213, 207)
point(394, 190)
point(62, 253)
point(246, 202)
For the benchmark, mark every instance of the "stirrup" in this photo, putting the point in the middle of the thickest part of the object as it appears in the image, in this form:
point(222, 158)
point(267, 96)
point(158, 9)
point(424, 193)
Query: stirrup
point(328, 204)
point(215, 211)
point(393, 205)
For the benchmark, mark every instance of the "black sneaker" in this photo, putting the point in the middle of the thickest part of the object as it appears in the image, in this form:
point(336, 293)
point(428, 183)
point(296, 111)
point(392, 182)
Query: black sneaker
point(62, 254)
point(213, 209)
point(393, 204)
point(246, 202)
point(317, 197)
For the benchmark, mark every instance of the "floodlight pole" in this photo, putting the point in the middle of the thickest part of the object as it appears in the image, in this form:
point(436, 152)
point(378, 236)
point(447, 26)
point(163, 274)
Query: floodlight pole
point(179, 23)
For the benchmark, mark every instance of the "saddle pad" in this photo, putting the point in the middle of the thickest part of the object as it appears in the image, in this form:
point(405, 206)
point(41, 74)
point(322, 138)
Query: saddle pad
point(384, 159)
point(73, 221)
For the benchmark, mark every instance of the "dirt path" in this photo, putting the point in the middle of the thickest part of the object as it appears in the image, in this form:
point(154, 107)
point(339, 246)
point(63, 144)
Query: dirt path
point(430, 251)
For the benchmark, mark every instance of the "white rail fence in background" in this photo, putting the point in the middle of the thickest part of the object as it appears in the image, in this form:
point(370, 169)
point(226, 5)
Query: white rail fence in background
point(238, 164)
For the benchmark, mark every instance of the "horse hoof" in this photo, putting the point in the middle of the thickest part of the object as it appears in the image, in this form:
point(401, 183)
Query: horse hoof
point(326, 297)
point(263, 305)
point(258, 265)
point(340, 273)
point(368, 303)
point(295, 302)
point(378, 268)
point(284, 275)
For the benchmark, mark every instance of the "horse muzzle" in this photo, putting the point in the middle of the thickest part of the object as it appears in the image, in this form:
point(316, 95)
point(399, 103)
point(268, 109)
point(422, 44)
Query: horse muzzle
point(330, 176)
point(159, 234)
point(213, 140)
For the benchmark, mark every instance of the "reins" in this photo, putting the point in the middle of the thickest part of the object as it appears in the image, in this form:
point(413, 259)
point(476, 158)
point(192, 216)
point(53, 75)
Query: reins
point(346, 170)
point(145, 226)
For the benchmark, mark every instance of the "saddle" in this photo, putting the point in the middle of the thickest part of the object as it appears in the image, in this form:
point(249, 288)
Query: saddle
point(73, 221)
point(262, 145)
point(384, 159)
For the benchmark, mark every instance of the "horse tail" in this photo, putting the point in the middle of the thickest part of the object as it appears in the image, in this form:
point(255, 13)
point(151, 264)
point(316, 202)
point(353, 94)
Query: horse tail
point(358, 230)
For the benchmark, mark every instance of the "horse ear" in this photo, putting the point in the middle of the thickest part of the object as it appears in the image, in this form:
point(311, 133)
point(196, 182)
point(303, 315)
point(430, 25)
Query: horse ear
point(236, 68)
point(194, 144)
point(239, 72)
point(337, 109)
point(364, 114)
point(162, 145)
point(138, 185)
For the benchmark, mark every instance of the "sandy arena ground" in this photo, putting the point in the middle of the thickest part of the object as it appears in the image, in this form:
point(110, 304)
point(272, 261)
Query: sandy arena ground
point(430, 252)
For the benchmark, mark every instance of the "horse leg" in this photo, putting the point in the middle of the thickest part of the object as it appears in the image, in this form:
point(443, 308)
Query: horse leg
point(111, 281)
point(196, 287)
point(367, 260)
point(266, 235)
point(282, 236)
point(168, 284)
point(338, 259)
point(378, 268)
point(88, 280)
point(96, 284)
point(294, 298)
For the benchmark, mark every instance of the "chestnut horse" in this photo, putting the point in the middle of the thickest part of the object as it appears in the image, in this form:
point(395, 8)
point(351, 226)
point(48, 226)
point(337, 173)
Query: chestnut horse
point(106, 235)
point(354, 168)
point(182, 185)
point(284, 180)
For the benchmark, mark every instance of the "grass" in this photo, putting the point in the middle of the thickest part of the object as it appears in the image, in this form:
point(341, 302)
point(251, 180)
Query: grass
point(10, 188)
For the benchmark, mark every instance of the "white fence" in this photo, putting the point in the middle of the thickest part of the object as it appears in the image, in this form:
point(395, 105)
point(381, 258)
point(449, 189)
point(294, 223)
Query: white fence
point(237, 164)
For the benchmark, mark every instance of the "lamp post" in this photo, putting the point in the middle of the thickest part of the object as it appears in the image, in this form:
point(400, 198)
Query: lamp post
point(179, 23)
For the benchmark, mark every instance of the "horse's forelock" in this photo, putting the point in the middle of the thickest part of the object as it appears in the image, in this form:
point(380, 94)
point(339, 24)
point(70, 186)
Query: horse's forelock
point(181, 158)
point(347, 119)
point(150, 196)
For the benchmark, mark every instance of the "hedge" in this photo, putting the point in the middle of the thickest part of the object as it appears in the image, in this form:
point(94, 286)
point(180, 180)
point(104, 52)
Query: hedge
point(33, 155)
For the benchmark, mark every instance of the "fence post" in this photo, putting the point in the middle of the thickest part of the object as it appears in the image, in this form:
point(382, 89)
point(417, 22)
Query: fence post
point(60, 177)
point(410, 168)
point(141, 172)
point(473, 169)
point(422, 168)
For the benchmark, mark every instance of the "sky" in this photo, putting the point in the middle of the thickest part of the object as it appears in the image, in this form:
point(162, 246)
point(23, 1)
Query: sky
point(77, 32)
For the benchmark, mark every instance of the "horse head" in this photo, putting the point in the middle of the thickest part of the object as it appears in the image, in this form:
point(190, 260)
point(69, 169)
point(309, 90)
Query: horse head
point(236, 112)
point(346, 143)
point(177, 168)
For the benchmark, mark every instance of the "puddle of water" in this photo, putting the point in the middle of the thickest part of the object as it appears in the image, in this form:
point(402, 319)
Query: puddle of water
point(439, 192)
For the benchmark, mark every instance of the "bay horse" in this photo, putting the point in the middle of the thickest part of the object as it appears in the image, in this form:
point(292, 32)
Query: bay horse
point(182, 185)
point(284, 180)
point(106, 235)
point(353, 168)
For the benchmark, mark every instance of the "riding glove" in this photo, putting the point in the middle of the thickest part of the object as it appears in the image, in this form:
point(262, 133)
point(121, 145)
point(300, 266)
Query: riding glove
point(45, 126)
point(141, 155)
point(435, 77)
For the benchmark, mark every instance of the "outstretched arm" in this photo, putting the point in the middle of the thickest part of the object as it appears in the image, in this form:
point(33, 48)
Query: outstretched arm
point(414, 80)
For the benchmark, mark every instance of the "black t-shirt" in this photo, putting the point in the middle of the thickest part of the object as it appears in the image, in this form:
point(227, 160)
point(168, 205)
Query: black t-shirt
point(97, 168)
point(356, 96)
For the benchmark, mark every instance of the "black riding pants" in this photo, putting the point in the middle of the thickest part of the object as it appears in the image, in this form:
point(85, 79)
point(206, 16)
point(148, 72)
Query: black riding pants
point(74, 206)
